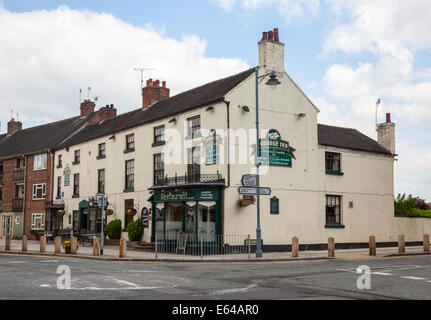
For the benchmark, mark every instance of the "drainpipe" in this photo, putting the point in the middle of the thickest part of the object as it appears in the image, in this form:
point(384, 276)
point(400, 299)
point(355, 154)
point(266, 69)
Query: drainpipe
point(23, 200)
point(52, 153)
point(228, 155)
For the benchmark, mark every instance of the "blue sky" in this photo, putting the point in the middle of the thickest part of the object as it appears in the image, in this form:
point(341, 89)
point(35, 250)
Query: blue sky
point(343, 54)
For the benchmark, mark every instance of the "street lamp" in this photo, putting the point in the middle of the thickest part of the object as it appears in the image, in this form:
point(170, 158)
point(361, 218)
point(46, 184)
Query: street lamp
point(273, 82)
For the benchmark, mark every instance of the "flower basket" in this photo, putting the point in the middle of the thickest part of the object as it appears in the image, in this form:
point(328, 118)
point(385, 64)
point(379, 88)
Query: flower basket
point(68, 250)
point(240, 203)
point(132, 212)
point(109, 212)
point(61, 213)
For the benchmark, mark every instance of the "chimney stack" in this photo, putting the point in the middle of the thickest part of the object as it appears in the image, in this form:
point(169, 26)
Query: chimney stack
point(103, 114)
point(87, 107)
point(154, 92)
point(13, 126)
point(386, 134)
point(271, 52)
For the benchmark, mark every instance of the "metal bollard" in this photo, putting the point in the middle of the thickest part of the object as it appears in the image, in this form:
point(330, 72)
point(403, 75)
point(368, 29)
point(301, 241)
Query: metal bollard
point(43, 244)
point(24, 243)
point(7, 243)
point(331, 247)
point(401, 244)
point(295, 247)
point(57, 244)
point(426, 242)
point(372, 245)
point(249, 247)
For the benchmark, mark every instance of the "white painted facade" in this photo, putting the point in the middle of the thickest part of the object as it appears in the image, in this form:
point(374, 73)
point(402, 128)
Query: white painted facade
point(366, 188)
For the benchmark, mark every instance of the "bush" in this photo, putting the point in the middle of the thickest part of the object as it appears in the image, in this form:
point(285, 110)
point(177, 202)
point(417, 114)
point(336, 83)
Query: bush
point(135, 230)
point(113, 229)
point(411, 207)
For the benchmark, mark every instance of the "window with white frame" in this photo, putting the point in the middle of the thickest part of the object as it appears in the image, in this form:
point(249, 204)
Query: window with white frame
point(39, 191)
point(38, 221)
point(40, 162)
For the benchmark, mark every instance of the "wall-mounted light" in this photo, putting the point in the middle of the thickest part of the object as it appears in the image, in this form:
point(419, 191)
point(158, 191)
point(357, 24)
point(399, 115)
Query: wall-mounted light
point(174, 120)
point(112, 138)
point(301, 115)
point(245, 109)
point(210, 108)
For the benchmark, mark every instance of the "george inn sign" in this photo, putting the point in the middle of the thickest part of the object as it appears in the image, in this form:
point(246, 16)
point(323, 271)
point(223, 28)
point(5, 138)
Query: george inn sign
point(274, 151)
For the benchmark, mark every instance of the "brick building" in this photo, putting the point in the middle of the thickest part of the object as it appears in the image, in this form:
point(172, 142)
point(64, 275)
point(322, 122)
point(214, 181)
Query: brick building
point(26, 166)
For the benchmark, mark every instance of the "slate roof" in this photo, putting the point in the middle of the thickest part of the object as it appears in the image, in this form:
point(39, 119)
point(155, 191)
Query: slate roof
point(186, 101)
point(348, 139)
point(40, 138)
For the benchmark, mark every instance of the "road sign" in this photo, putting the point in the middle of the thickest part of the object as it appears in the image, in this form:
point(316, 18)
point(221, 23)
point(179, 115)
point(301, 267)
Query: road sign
point(253, 191)
point(249, 180)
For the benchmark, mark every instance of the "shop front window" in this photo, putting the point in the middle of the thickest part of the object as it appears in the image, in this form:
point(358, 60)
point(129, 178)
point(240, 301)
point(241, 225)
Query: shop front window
point(174, 218)
point(190, 219)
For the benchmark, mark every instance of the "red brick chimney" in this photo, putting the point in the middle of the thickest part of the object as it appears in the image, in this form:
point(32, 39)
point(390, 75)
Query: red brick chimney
point(87, 107)
point(103, 114)
point(13, 126)
point(154, 92)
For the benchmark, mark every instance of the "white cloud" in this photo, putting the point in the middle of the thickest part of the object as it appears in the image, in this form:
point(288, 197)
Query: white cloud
point(288, 9)
point(46, 56)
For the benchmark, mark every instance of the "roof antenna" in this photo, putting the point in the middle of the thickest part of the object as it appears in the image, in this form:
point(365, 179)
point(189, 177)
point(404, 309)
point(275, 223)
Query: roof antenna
point(379, 101)
point(142, 76)
point(88, 93)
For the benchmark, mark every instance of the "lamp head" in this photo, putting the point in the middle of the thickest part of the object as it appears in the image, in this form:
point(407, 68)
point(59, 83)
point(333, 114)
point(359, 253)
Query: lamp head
point(273, 81)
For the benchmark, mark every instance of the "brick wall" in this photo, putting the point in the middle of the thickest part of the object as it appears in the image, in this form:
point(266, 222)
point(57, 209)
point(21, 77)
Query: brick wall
point(8, 193)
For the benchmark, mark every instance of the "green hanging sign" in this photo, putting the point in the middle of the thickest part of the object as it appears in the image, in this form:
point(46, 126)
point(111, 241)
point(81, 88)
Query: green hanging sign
point(275, 152)
point(212, 149)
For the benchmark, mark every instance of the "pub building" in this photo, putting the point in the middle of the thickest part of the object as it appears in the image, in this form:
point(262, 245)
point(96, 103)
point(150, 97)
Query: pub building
point(318, 181)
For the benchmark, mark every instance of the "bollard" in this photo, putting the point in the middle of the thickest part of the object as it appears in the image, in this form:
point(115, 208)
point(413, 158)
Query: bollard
point(43, 244)
point(24, 243)
point(96, 246)
point(295, 247)
point(74, 245)
point(57, 244)
point(123, 248)
point(401, 244)
point(331, 247)
point(372, 245)
point(7, 244)
point(426, 242)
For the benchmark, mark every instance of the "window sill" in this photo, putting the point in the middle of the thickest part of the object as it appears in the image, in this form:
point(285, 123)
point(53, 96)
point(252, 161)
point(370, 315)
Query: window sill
point(194, 137)
point(76, 163)
point(158, 144)
point(334, 173)
point(335, 226)
point(100, 157)
point(129, 151)
point(75, 196)
point(129, 190)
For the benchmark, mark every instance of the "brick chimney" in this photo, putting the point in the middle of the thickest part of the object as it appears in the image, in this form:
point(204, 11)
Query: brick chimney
point(154, 92)
point(271, 51)
point(13, 126)
point(104, 113)
point(87, 107)
point(386, 134)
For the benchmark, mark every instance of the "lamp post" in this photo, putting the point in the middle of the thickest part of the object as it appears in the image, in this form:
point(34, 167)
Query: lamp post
point(273, 81)
point(102, 203)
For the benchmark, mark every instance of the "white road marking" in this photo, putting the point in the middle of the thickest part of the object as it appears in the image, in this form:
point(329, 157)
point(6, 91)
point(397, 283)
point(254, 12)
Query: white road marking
point(116, 289)
point(45, 285)
point(221, 292)
point(49, 261)
point(382, 274)
point(414, 278)
point(130, 284)
point(15, 262)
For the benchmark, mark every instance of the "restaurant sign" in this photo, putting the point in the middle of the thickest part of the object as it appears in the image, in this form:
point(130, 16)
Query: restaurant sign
point(186, 195)
point(275, 152)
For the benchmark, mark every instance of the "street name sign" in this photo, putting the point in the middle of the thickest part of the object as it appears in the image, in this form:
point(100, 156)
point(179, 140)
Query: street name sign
point(253, 191)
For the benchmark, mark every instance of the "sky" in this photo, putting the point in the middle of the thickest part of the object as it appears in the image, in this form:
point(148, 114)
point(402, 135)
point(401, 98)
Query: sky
point(344, 55)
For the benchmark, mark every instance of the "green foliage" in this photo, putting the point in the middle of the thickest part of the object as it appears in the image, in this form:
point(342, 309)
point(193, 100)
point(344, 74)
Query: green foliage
point(407, 207)
point(135, 230)
point(113, 229)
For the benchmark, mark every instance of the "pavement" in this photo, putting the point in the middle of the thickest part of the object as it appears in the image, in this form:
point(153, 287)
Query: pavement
point(111, 253)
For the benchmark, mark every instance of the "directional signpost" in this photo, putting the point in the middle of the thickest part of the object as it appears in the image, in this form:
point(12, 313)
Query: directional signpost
point(249, 180)
point(253, 191)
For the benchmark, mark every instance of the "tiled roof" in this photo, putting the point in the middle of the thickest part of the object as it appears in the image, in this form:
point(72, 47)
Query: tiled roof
point(40, 138)
point(186, 101)
point(348, 139)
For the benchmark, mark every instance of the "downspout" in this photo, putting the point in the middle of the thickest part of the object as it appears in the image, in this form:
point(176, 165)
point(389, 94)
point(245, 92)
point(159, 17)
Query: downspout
point(24, 199)
point(52, 184)
point(228, 158)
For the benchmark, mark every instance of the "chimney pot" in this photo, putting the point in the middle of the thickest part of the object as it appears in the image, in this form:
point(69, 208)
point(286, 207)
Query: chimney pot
point(164, 84)
point(265, 36)
point(276, 35)
point(388, 118)
point(271, 35)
